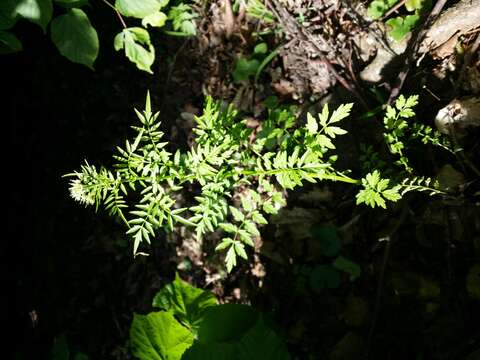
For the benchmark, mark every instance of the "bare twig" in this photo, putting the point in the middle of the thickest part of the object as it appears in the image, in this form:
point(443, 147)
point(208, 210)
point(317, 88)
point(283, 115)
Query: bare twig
point(229, 19)
point(116, 12)
point(392, 10)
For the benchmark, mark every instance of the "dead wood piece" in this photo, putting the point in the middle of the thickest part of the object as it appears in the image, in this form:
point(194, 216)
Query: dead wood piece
point(229, 19)
point(455, 21)
point(374, 72)
point(458, 115)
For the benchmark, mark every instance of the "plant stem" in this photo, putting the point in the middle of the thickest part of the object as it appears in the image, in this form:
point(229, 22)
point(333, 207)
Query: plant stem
point(331, 177)
point(117, 12)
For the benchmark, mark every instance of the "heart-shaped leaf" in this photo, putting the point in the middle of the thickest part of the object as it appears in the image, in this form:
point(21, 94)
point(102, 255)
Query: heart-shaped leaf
point(8, 14)
point(9, 43)
point(75, 37)
point(159, 336)
point(186, 302)
point(136, 8)
point(37, 11)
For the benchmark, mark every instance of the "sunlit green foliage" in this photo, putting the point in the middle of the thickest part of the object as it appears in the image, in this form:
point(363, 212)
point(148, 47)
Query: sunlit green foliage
point(399, 131)
point(238, 177)
point(223, 332)
point(399, 26)
point(223, 159)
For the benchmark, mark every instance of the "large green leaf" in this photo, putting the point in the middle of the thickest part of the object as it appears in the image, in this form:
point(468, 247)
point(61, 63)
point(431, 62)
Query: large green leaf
point(412, 5)
point(8, 14)
point(226, 323)
point(212, 351)
point(328, 239)
point(9, 43)
point(158, 336)
point(244, 68)
point(138, 47)
point(75, 37)
point(71, 3)
point(60, 350)
point(399, 26)
point(324, 277)
point(137, 8)
point(379, 7)
point(235, 332)
point(37, 11)
point(350, 267)
point(262, 343)
point(186, 302)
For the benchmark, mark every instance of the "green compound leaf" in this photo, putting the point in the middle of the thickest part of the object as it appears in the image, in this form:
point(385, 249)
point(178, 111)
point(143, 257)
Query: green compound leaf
point(37, 11)
point(259, 218)
point(186, 302)
point(237, 214)
point(240, 250)
point(401, 26)
point(231, 258)
point(138, 47)
point(379, 7)
point(136, 8)
point(261, 48)
point(182, 17)
point(328, 238)
point(312, 126)
point(75, 37)
point(375, 191)
point(9, 43)
point(245, 68)
point(158, 336)
point(412, 5)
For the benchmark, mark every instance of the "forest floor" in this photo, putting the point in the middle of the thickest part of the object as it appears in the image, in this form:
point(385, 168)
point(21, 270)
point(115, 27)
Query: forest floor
point(412, 291)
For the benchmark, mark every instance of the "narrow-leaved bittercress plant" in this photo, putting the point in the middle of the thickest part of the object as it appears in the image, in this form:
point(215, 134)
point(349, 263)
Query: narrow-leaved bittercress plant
point(240, 176)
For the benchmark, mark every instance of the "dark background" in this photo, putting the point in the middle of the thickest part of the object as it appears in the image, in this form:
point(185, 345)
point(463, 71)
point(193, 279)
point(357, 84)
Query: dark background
point(63, 271)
